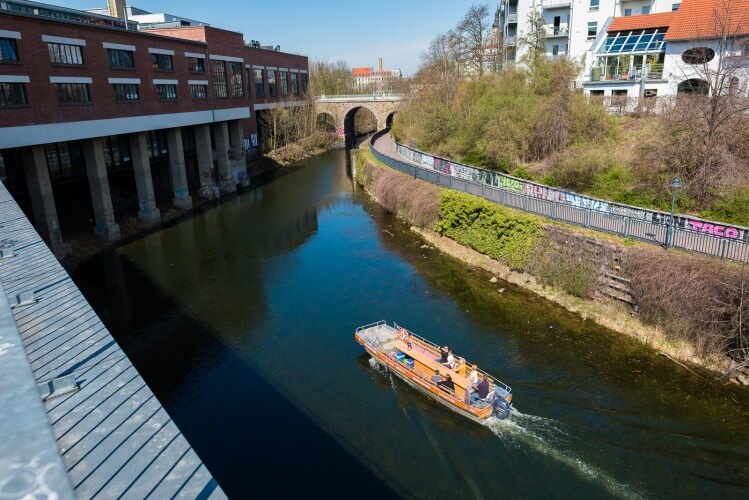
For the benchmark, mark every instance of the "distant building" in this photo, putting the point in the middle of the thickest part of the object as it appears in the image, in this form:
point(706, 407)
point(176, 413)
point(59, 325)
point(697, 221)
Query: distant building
point(382, 80)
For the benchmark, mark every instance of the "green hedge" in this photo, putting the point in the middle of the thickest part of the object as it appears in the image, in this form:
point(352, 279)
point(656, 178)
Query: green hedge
point(496, 231)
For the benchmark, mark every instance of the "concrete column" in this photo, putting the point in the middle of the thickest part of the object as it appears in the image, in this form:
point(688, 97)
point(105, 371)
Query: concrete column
point(225, 179)
point(43, 200)
point(236, 134)
point(98, 183)
point(205, 160)
point(147, 211)
point(182, 197)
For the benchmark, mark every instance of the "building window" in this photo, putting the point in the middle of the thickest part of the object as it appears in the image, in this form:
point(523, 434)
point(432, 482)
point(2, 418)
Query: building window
point(166, 91)
point(295, 83)
point(116, 151)
point(284, 82)
point(650, 93)
point(64, 160)
point(161, 62)
point(120, 58)
point(592, 29)
point(125, 92)
point(8, 49)
point(61, 53)
point(196, 65)
point(675, 7)
point(272, 86)
point(156, 144)
point(73, 93)
point(627, 12)
point(594, 4)
point(12, 94)
point(220, 88)
point(199, 91)
point(646, 9)
point(259, 83)
point(305, 82)
point(555, 50)
point(237, 83)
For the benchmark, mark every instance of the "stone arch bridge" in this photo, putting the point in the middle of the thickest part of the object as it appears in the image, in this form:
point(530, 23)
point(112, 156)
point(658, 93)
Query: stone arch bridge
point(343, 108)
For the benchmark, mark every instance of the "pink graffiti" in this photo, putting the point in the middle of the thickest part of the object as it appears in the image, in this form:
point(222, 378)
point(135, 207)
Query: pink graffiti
point(714, 229)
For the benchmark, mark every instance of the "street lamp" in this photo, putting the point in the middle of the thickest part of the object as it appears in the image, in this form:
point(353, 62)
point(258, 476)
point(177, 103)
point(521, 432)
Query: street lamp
point(675, 186)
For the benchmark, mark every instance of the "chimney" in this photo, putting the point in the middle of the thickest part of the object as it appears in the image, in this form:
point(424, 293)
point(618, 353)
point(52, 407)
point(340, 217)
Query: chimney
point(379, 64)
point(117, 9)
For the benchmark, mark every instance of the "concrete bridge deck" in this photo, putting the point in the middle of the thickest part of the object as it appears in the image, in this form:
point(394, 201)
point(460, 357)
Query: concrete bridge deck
point(110, 435)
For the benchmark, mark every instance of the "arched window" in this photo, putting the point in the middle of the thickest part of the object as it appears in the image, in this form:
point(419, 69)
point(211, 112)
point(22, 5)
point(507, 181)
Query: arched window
point(698, 55)
point(694, 86)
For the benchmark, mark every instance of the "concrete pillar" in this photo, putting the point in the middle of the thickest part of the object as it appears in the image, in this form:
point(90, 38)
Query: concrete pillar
point(98, 183)
point(236, 135)
point(147, 211)
point(43, 200)
point(205, 160)
point(182, 197)
point(221, 136)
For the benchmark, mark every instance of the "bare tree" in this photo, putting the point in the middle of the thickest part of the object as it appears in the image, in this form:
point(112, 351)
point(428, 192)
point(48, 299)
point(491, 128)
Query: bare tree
point(472, 39)
point(713, 94)
point(534, 41)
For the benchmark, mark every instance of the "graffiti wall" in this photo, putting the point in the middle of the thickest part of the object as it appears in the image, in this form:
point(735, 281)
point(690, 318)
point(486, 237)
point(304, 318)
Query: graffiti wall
point(534, 190)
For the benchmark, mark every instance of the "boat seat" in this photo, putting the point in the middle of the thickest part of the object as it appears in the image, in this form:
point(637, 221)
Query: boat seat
point(426, 358)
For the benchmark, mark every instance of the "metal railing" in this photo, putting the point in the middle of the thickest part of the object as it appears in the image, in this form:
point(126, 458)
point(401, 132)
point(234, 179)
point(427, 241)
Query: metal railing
point(689, 233)
point(370, 96)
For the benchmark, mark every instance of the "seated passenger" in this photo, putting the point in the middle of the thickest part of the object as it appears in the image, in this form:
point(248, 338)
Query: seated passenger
point(474, 375)
point(450, 361)
point(436, 378)
point(447, 384)
point(444, 351)
point(482, 390)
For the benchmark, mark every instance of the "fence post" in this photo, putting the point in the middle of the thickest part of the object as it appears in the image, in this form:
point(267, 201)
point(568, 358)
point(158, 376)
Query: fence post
point(465, 186)
point(723, 248)
point(587, 217)
point(414, 171)
point(626, 226)
point(525, 202)
point(483, 190)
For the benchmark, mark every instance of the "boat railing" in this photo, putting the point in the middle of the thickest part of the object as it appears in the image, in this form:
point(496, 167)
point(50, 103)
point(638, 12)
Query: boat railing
point(436, 350)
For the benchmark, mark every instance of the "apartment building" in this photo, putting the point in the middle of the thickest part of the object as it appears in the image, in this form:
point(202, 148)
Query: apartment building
point(572, 26)
point(635, 48)
point(99, 119)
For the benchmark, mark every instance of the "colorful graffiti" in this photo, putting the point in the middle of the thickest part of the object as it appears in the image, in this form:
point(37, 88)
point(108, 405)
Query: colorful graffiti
point(539, 191)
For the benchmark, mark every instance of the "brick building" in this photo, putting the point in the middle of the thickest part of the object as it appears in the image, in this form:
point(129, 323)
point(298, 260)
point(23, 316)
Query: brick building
point(99, 119)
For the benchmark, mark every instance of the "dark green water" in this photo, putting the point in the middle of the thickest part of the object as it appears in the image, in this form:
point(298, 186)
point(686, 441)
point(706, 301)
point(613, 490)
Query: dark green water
point(241, 319)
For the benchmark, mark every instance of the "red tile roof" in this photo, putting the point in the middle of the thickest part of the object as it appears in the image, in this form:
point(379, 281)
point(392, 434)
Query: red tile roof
point(361, 71)
point(648, 21)
point(709, 18)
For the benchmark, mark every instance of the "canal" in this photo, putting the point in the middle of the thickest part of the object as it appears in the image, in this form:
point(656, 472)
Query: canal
point(241, 320)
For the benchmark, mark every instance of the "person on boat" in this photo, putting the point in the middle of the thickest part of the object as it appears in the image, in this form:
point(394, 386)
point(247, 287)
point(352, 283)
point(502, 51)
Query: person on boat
point(444, 352)
point(405, 336)
point(437, 378)
point(482, 390)
point(447, 384)
point(450, 361)
point(473, 377)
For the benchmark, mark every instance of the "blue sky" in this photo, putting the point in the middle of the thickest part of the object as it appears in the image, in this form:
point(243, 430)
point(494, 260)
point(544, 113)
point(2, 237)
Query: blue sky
point(397, 30)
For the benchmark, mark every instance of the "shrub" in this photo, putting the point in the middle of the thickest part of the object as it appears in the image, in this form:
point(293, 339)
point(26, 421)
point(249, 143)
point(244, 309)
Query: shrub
point(696, 299)
point(496, 231)
point(732, 208)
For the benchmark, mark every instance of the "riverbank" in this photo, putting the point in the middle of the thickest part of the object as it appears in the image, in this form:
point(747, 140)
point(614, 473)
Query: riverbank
point(595, 277)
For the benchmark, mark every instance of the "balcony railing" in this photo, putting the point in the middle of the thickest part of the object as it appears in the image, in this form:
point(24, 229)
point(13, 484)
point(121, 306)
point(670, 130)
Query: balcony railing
point(555, 4)
point(512, 17)
point(510, 41)
point(552, 31)
point(649, 72)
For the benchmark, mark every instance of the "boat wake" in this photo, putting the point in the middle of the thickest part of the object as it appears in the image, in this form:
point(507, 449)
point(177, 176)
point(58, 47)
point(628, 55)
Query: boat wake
point(534, 433)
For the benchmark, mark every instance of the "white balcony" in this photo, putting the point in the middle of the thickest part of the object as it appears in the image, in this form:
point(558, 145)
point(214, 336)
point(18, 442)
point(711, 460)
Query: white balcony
point(557, 31)
point(512, 17)
point(510, 41)
point(556, 4)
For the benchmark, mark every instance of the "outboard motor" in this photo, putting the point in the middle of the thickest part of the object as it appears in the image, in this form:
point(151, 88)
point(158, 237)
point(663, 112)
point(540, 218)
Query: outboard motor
point(501, 403)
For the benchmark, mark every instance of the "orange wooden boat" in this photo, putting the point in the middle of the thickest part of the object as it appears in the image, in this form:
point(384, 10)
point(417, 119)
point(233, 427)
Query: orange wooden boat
point(414, 359)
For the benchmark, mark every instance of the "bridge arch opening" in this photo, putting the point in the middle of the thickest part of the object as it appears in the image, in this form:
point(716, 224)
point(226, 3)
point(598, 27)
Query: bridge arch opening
point(359, 121)
point(389, 119)
point(325, 122)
